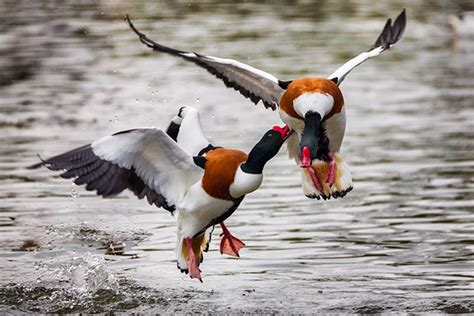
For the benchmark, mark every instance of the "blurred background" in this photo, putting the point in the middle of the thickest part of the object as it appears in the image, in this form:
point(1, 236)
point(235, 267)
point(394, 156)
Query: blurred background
point(72, 72)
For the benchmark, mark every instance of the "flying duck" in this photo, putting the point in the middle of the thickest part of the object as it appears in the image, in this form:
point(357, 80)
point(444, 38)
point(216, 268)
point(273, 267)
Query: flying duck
point(178, 170)
point(312, 107)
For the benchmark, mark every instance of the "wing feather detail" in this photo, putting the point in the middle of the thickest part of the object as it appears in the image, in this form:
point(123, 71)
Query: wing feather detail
point(190, 135)
point(390, 35)
point(252, 83)
point(146, 161)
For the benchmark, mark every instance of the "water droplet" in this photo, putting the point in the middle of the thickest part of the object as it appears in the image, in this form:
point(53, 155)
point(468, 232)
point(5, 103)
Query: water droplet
point(197, 100)
point(74, 194)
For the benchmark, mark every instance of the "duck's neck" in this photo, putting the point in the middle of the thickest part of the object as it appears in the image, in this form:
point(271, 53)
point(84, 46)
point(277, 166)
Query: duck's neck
point(254, 164)
point(258, 157)
point(249, 175)
point(244, 183)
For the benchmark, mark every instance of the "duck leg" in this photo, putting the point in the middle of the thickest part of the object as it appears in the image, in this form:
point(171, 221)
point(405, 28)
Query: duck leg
point(193, 268)
point(315, 179)
point(230, 245)
point(306, 163)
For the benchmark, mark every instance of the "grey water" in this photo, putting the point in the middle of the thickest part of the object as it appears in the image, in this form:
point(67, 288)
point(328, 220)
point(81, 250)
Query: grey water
point(401, 241)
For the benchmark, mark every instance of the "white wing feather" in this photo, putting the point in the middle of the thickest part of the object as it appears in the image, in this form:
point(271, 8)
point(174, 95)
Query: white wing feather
point(342, 71)
point(390, 35)
point(160, 162)
point(191, 136)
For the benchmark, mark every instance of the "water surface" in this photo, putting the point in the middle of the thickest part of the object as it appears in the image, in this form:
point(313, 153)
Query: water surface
point(402, 240)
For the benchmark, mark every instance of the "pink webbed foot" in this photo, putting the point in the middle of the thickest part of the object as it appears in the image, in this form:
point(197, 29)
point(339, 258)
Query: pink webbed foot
point(230, 245)
point(332, 170)
point(194, 272)
point(315, 179)
point(306, 163)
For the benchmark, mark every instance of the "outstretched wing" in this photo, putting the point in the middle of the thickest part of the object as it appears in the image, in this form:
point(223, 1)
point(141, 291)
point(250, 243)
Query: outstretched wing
point(186, 129)
point(146, 161)
point(252, 83)
point(389, 36)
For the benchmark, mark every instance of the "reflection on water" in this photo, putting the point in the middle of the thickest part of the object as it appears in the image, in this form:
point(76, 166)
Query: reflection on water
point(402, 240)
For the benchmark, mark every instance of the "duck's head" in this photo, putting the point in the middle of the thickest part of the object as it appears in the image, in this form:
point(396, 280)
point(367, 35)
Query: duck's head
point(314, 108)
point(314, 100)
point(265, 149)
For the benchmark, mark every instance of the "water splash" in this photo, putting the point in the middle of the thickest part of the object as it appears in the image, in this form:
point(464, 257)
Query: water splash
point(112, 242)
point(76, 283)
point(81, 275)
point(405, 233)
point(46, 299)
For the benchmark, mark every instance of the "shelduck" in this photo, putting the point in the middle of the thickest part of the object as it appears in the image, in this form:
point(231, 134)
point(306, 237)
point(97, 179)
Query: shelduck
point(312, 107)
point(178, 170)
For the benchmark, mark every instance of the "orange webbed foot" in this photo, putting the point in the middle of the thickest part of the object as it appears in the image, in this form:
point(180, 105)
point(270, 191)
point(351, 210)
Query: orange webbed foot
point(194, 272)
point(230, 245)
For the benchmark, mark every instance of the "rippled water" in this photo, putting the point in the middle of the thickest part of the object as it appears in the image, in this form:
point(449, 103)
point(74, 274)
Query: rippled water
point(401, 241)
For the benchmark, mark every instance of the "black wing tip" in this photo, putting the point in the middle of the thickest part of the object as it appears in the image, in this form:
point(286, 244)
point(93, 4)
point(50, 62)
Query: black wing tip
point(140, 35)
point(129, 22)
point(392, 33)
point(37, 165)
point(132, 26)
point(400, 24)
point(152, 44)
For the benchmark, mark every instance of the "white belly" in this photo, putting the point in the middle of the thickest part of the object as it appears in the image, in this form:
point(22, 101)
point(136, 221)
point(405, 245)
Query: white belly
point(198, 209)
